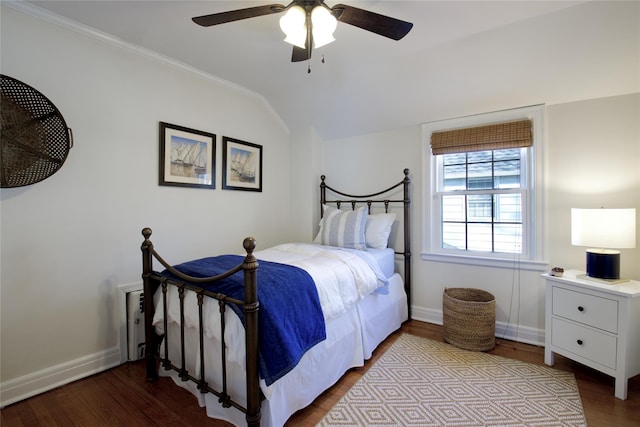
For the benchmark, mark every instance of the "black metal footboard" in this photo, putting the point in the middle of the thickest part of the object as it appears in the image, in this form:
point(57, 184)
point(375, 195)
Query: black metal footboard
point(152, 281)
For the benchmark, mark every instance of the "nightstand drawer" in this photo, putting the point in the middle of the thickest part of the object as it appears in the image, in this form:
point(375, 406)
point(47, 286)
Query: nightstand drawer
point(599, 312)
point(588, 343)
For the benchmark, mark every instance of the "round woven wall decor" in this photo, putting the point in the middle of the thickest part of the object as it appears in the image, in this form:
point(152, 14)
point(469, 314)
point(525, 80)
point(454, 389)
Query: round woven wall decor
point(34, 136)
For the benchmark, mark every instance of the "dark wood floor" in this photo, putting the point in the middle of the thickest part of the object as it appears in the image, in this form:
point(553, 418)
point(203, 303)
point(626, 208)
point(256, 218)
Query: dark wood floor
point(122, 397)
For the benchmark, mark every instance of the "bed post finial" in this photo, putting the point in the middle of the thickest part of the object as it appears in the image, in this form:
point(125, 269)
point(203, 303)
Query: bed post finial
point(146, 232)
point(406, 172)
point(249, 245)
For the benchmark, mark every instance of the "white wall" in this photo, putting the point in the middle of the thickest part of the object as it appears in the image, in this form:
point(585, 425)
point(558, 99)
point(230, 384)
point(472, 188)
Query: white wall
point(306, 161)
point(69, 241)
point(577, 174)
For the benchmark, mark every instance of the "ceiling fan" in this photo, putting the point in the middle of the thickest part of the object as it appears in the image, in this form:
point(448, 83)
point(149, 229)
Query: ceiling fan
point(310, 23)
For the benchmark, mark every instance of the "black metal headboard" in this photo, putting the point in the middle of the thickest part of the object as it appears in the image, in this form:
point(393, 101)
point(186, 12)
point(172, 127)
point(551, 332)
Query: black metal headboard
point(378, 198)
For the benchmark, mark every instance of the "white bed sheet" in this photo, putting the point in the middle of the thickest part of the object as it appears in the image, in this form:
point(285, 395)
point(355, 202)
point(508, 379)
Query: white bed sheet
point(385, 258)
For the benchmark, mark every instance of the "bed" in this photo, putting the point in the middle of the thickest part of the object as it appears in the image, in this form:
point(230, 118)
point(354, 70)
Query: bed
point(258, 336)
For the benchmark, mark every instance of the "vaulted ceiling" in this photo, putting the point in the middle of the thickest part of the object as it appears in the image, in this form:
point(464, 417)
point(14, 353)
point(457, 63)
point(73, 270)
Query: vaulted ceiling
point(460, 58)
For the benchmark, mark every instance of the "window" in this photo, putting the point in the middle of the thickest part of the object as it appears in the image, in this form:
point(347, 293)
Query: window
point(481, 197)
point(482, 189)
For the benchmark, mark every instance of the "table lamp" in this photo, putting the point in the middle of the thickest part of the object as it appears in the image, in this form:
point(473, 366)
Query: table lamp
point(603, 231)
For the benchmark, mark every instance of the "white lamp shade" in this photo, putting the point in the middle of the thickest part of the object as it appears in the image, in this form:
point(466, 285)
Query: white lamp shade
point(323, 26)
point(294, 25)
point(603, 228)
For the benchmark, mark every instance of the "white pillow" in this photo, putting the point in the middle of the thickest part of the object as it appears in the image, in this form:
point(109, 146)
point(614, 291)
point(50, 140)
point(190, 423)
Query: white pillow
point(378, 229)
point(345, 229)
point(318, 238)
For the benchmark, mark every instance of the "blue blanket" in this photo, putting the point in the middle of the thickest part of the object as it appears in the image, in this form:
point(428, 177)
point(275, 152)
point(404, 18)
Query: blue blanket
point(290, 316)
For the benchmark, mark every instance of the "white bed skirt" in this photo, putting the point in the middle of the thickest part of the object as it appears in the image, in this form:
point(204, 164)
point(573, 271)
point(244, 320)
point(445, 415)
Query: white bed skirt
point(351, 339)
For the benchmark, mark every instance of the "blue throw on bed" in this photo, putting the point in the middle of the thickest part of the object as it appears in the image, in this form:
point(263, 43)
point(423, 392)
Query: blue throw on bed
point(290, 316)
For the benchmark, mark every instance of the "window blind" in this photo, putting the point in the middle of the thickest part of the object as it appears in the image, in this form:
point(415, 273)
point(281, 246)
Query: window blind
point(478, 138)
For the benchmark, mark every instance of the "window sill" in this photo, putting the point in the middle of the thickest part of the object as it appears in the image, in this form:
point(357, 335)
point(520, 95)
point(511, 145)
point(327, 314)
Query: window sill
point(521, 264)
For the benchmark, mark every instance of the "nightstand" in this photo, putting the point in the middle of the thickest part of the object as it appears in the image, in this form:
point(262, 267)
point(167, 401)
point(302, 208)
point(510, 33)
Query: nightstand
point(595, 324)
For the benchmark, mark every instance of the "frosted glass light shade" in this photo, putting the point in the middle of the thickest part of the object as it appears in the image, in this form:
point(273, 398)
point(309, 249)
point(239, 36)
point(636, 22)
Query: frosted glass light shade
point(294, 25)
point(603, 228)
point(323, 26)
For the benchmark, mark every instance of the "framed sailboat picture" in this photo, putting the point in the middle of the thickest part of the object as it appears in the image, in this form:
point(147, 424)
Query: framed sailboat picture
point(241, 165)
point(187, 157)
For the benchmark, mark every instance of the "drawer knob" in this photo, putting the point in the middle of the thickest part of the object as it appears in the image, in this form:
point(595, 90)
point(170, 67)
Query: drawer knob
point(579, 342)
point(580, 308)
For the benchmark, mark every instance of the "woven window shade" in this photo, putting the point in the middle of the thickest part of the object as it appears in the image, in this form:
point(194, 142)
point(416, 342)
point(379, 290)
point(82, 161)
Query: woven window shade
point(489, 137)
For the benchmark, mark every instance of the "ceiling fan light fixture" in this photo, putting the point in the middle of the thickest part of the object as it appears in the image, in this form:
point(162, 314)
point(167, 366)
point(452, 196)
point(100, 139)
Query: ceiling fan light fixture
point(309, 24)
point(294, 25)
point(323, 26)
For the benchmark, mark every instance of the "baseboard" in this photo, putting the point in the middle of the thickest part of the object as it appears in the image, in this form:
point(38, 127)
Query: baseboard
point(518, 333)
point(506, 331)
point(426, 315)
point(47, 379)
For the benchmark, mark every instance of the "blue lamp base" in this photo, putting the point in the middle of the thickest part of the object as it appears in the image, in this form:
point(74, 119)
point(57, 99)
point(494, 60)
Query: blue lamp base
point(603, 264)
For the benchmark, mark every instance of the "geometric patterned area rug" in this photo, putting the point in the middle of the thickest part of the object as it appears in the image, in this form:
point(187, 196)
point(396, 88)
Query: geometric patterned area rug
point(421, 382)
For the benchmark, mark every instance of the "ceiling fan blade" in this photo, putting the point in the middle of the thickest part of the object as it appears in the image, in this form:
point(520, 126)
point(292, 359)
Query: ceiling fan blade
point(300, 54)
point(380, 24)
point(236, 15)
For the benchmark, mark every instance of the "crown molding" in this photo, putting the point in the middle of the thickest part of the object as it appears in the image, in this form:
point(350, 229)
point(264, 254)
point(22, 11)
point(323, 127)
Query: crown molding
point(85, 30)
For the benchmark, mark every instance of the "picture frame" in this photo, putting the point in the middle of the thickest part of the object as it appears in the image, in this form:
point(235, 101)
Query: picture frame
point(187, 157)
point(241, 165)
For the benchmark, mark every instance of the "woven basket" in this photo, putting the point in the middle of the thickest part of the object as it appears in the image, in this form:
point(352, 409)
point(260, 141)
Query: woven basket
point(469, 318)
